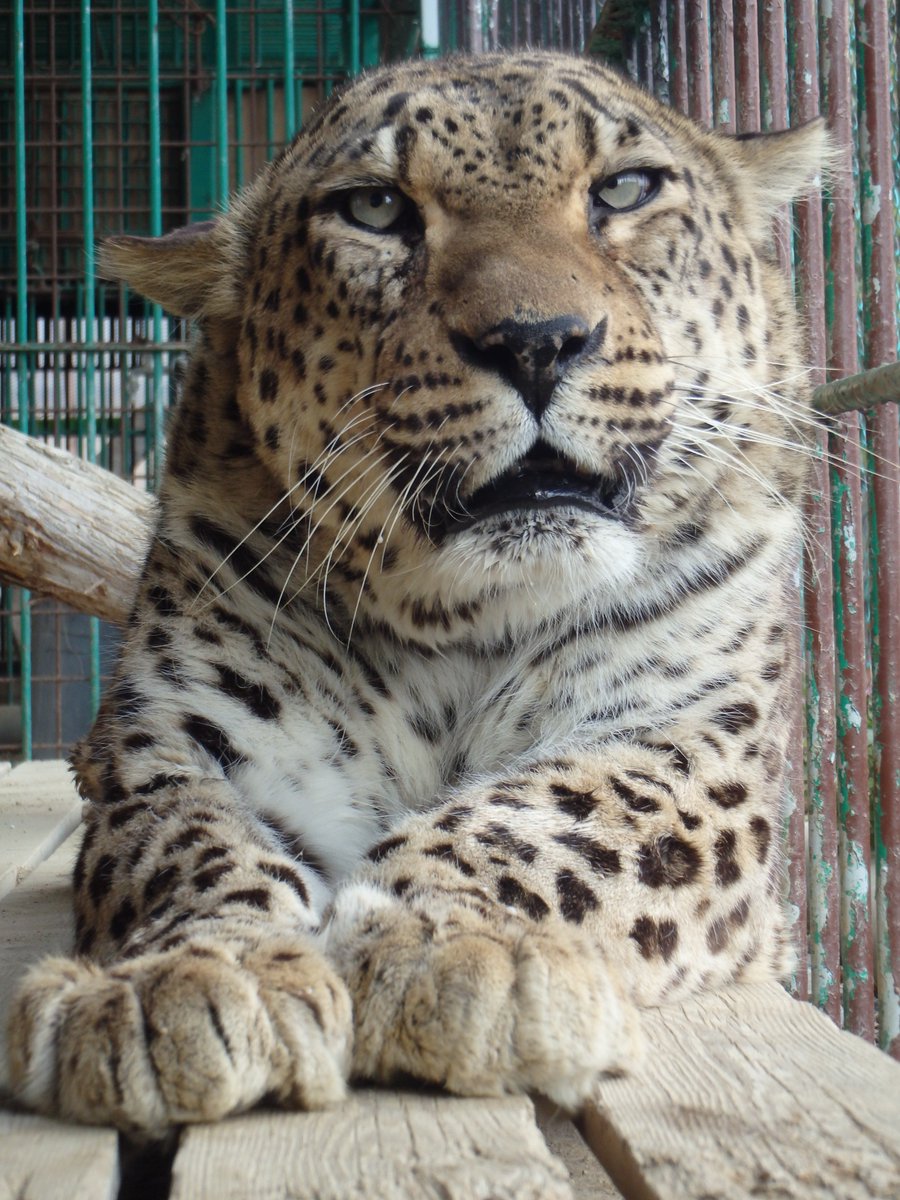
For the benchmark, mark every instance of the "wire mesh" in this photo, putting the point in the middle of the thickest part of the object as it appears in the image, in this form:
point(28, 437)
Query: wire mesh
point(127, 117)
point(140, 117)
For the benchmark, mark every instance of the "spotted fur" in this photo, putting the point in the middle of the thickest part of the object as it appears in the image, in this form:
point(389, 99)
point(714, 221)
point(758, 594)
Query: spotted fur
point(384, 789)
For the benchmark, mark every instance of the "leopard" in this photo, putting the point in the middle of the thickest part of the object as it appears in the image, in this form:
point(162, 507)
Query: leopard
point(449, 725)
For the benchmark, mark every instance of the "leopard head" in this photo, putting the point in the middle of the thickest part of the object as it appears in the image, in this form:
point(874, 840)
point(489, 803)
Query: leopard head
point(504, 329)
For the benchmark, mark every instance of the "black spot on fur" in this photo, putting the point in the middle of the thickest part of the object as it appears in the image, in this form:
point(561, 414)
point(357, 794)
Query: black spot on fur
point(383, 849)
point(447, 853)
point(451, 819)
point(139, 740)
point(736, 718)
point(101, 878)
point(158, 782)
point(728, 795)
point(579, 805)
point(122, 920)
point(510, 891)
point(602, 860)
point(762, 835)
point(668, 862)
point(125, 813)
point(717, 936)
point(253, 695)
point(576, 899)
point(285, 874)
point(161, 882)
point(204, 880)
point(213, 739)
point(635, 801)
point(254, 897)
point(727, 869)
point(501, 837)
point(656, 939)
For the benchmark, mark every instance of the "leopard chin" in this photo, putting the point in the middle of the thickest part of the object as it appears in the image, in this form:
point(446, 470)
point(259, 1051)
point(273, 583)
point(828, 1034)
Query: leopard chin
point(553, 555)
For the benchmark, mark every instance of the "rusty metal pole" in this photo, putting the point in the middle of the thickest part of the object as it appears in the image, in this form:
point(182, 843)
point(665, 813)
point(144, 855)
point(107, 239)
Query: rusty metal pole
point(822, 883)
point(879, 178)
point(852, 717)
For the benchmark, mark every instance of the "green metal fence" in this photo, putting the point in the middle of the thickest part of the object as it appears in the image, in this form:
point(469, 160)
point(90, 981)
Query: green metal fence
point(127, 117)
point(141, 117)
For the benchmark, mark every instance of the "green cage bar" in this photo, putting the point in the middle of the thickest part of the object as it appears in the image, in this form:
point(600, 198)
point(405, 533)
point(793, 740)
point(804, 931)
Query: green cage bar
point(21, 328)
point(157, 399)
point(223, 187)
point(290, 108)
point(90, 294)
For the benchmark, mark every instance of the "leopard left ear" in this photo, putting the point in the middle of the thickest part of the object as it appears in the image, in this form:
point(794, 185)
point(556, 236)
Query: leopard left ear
point(784, 166)
point(191, 271)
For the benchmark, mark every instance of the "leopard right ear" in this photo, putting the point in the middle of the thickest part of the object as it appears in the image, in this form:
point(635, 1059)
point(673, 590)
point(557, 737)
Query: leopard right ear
point(192, 271)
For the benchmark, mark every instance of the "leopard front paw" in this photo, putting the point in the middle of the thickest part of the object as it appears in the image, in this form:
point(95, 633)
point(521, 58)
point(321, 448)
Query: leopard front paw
point(479, 1001)
point(189, 1034)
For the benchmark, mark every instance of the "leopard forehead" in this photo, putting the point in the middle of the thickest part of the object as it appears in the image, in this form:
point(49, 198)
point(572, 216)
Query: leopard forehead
point(505, 125)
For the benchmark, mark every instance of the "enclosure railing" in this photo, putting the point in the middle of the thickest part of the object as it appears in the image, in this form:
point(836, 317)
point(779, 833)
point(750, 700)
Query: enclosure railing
point(142, 117)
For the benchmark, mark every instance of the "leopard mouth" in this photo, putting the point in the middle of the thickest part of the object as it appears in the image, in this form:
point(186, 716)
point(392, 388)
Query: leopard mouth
point(542, 479)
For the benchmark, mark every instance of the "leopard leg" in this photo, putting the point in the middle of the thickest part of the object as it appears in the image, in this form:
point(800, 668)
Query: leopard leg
point(505, 941)
point(210, 992)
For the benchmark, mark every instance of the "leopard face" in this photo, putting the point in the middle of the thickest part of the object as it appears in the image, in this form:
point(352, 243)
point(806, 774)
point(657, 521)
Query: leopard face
point(505, 330)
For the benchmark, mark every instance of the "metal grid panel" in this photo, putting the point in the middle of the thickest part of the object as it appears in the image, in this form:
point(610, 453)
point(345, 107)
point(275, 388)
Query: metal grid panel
point(127, 117)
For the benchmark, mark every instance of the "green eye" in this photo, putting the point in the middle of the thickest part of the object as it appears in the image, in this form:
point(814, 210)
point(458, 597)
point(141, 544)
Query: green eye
point(625, 191)
point(376, 207)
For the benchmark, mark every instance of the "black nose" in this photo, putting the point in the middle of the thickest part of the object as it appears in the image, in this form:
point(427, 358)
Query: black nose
point(532, 355)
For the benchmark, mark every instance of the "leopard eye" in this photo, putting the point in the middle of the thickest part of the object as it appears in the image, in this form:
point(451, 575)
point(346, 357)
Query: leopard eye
point(625, 191)
point(380, 208)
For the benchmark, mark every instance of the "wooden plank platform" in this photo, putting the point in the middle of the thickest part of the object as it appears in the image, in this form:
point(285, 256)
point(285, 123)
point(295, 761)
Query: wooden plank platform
point(742, 1094)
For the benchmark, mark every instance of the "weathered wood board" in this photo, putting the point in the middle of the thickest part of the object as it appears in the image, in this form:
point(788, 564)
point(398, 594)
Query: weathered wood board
point(380, 1145)
point(39, 809)
point(46, 1160)
point(750, 1093)
point(588, 1179)
point(35, 919)
point(376, 1146)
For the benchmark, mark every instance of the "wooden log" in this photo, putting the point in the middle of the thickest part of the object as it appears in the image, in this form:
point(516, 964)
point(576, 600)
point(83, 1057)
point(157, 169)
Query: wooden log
point(69, 529)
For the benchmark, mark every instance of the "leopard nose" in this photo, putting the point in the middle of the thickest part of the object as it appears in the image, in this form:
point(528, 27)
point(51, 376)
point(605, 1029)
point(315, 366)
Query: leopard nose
point(532, 356)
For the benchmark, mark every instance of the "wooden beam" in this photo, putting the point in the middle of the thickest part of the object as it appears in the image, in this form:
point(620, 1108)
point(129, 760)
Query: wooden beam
point(69, 529)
